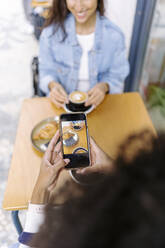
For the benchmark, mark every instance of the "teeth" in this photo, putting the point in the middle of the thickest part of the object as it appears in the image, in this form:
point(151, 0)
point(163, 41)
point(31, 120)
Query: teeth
point(81, 14)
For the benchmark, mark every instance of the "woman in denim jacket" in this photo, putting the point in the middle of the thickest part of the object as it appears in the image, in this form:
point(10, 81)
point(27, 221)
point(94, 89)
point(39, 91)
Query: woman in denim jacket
point(80, 49)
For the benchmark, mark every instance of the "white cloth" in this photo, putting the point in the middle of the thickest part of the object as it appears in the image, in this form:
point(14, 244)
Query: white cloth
point(34, 218)
point(86, 42)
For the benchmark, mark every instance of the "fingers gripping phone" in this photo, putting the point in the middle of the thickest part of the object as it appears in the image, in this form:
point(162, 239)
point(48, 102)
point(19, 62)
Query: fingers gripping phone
point(75, 140)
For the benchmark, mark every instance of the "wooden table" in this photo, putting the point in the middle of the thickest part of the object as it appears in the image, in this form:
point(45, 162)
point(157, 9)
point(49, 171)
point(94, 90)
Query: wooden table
point(44, 4)
point(109, 124)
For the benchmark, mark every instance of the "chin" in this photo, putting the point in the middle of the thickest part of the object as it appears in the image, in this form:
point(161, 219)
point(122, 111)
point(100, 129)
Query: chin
point(82, 21)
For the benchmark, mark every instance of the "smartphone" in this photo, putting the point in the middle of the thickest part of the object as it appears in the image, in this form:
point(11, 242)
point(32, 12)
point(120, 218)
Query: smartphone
point(75, 140)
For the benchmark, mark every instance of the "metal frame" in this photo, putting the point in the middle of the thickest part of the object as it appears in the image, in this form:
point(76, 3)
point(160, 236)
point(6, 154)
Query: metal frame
point(16, 221)
point(35, 72)
point(141, 30)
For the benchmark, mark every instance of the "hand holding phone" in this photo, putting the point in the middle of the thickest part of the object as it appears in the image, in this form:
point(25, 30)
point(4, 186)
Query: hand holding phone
point(100, 161)
point(75, 141)
point(51, 167)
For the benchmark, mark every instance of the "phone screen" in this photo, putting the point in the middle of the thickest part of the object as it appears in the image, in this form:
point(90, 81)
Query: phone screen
point(74, 136)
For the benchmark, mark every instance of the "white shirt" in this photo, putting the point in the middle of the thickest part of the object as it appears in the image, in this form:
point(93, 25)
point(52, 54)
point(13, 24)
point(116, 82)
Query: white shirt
point(86, 42)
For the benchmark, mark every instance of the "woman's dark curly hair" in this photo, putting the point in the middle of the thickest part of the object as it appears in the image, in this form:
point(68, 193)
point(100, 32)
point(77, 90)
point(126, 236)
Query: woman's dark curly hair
point(59, 11)
point(126, 210)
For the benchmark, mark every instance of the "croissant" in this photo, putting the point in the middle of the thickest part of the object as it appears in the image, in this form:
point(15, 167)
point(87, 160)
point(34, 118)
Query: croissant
point(47, 132)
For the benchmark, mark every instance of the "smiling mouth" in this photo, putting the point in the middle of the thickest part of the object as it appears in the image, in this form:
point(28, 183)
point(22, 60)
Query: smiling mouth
point(82, 14)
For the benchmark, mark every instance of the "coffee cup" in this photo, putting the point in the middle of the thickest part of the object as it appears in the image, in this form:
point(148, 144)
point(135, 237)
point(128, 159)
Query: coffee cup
point(77, 101)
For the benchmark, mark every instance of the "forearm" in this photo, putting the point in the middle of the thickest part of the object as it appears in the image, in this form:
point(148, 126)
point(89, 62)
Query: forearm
point(118, 71)
point(114, 84)
point(40, 195)
point(47, 72)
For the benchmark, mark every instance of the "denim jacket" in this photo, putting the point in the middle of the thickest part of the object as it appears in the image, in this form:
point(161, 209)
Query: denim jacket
point(60, 60)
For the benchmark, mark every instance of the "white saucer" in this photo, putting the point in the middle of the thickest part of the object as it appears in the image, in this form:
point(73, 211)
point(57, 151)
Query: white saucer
point(85, 112)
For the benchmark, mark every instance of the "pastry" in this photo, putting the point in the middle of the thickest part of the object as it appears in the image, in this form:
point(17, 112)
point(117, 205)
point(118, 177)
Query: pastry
point(47, 132)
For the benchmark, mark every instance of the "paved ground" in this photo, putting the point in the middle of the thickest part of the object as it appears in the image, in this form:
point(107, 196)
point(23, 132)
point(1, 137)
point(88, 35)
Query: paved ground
point(17, 47)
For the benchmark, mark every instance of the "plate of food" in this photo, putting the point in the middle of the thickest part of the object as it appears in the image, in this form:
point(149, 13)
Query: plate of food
point(43, 132)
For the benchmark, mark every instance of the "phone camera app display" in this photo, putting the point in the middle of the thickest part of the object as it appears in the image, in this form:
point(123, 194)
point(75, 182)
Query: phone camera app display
point(74, 137)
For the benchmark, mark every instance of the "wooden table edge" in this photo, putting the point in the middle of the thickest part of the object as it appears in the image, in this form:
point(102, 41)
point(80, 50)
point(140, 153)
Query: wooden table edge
point(17, 208)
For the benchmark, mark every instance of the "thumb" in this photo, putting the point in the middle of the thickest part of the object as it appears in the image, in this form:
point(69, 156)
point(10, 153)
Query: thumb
point(66, 161)
point(93, 144)
point(60, 164)
point(88, 170)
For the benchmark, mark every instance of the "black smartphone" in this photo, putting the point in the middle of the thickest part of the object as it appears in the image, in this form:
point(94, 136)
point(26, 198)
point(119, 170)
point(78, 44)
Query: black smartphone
point(75, 140)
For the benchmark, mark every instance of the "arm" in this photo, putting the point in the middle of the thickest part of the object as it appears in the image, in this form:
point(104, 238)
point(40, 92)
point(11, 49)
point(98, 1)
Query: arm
point(47, 73)
point(112, 81)
point(51, 167)
point(119, 69)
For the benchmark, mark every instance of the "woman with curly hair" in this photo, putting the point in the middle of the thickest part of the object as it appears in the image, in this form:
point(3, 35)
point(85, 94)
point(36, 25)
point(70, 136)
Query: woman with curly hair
point(80, 49)
point(125, 210)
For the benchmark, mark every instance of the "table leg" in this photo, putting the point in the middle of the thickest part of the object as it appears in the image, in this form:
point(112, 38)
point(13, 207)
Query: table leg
point(16, 221)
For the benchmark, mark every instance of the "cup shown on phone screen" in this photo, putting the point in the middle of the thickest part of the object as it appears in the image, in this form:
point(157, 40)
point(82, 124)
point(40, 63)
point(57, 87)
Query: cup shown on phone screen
point(75, 141)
